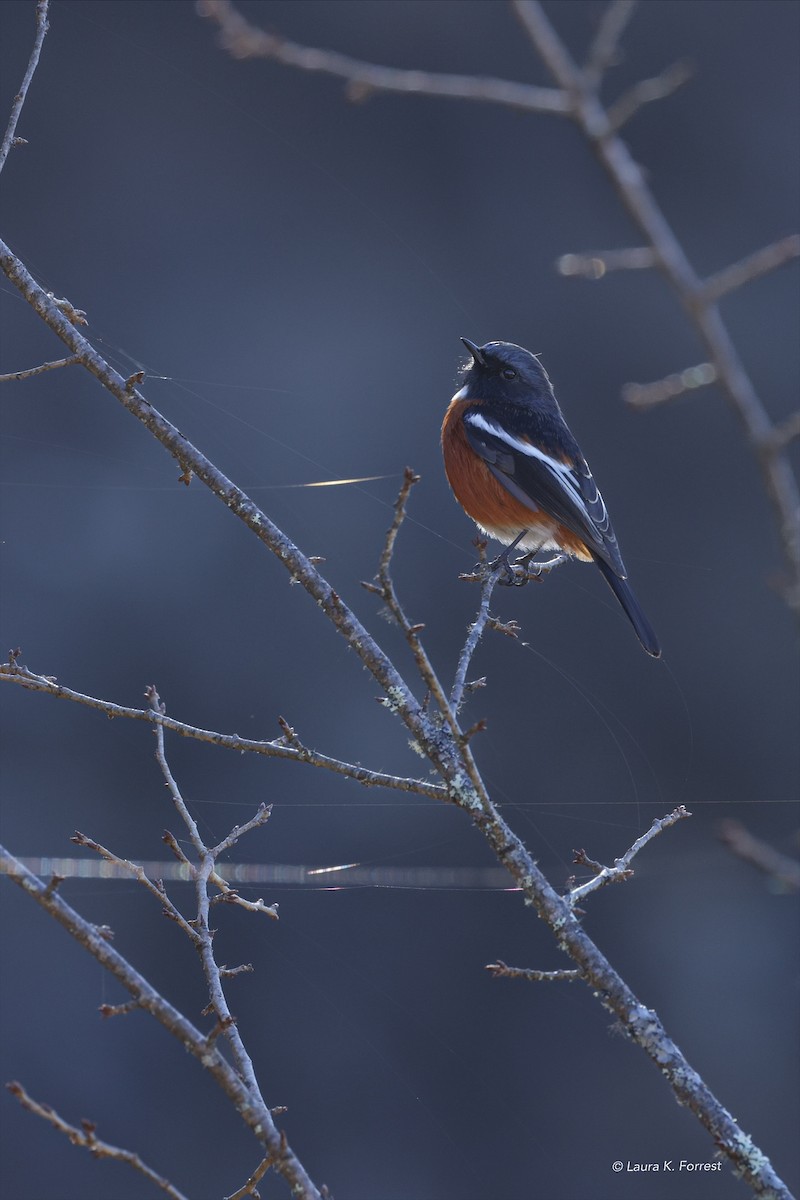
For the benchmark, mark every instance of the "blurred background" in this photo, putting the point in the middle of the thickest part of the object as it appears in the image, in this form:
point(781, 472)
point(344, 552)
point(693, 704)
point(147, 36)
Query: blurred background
point(293, 272)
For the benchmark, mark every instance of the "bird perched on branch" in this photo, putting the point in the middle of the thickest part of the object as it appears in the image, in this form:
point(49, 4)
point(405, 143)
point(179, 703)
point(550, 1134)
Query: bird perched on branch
point(516, 469)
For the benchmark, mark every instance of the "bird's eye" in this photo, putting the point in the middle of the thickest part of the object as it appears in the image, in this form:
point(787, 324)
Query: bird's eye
point(509, 373)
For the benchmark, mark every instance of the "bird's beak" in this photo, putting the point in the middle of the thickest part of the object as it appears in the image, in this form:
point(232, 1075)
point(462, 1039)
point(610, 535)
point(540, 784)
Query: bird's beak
point(475, 351)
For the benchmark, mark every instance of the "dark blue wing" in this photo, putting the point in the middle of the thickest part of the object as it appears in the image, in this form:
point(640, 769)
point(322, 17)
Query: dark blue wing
point(565, 490)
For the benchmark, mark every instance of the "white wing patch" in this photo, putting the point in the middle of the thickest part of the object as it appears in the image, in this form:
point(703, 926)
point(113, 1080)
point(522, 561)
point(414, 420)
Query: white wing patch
point(563, 473)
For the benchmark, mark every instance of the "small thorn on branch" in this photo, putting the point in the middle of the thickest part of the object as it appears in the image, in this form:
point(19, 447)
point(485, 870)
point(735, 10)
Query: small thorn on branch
point(510, 628)
point(222, 1024)
point(118, 1010)
point(133, 381)
point(648, 395)
point(75, 316)
point(583, 860)
point(154, 700)
point(474, 684)
point(171, 841)
point(357, 91)
point(469, 734)
point(229, 972)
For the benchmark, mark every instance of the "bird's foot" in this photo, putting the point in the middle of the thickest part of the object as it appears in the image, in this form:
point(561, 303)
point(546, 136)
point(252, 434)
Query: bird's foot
point(511, 574)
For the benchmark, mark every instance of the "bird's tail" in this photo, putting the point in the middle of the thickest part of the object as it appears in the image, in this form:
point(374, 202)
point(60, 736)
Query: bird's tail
point(633, 610)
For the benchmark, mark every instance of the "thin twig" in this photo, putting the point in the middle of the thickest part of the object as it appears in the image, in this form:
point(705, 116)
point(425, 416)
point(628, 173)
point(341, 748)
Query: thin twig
point(139, 874)
point(204, 872)
point(386, 589)
point(88, 1140)
point(169, 779)
point(241, 39)
point(388, 593)
point(248, 1188)
point(228, 894)
point(596, 264)
point(500, 970)
point(649, 395)
point(783, 871)
point(646, 91)
point(13, 672)
point(761, 262)
point(474, 635)
point(29, 373)
point(250, 1106)
point(604, 51)
point(16, 108)
point(213, 974)
point(261, 817)
point(631, 186)
point(621, 869)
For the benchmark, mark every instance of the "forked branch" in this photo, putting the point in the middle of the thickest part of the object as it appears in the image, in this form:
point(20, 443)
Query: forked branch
point(87, 1138)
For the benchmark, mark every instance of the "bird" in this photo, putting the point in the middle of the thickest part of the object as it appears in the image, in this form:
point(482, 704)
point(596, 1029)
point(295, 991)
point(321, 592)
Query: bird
point(518, 472)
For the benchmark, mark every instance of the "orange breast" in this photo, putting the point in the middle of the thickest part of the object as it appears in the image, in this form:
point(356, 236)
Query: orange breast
point(489, 504)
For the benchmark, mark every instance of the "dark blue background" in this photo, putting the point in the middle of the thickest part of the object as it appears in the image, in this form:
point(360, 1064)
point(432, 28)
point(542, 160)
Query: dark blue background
point(302, 268)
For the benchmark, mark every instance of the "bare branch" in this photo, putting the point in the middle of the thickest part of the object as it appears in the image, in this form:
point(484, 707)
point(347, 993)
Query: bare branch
point(628, 179)
point(243, 40)
point(386, 590)
point(761, 262)
point(448, 755)
point(87, 1139)
point(500, 970)
point(213, 974)
point(248, 1188)
point(262, 816)
point(516, 574)
point(248, 1104)
point(783, 871)
point(649, 395)
point(474, 636)
point(13, 672)
point(604, 51)
point(16, 108)
point(598, 263)
point(229, 895)
point(174, 790)
point(621, 869)
point(646, 91)
point(138, 873)
point(29, 373)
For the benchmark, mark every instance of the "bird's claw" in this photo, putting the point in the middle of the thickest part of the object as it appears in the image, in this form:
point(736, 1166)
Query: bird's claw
point(513, 574)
